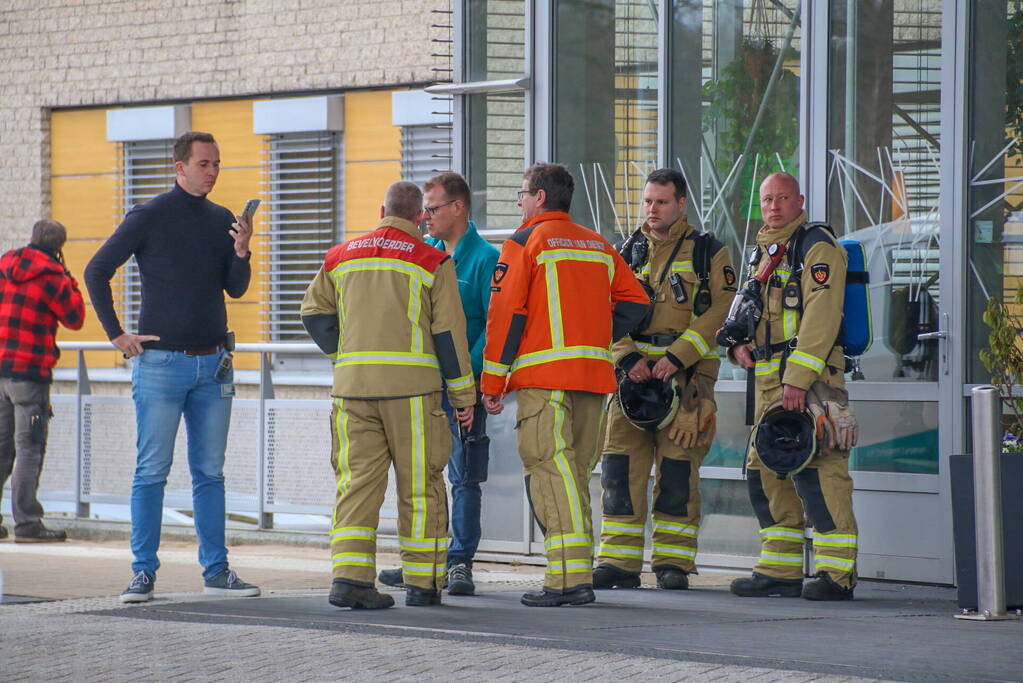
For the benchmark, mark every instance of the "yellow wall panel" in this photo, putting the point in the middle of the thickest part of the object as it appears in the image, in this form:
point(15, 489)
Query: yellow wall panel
point(79, 143)
point(230, 122)
point(365, 185)
point(85, 205)
point(246, 321)
point(77, 254)
point(369, 135)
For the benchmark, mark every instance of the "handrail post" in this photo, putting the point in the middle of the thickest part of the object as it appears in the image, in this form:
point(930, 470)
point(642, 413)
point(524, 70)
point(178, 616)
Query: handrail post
point(82, 389)
point(266, 392)
point(986, 402)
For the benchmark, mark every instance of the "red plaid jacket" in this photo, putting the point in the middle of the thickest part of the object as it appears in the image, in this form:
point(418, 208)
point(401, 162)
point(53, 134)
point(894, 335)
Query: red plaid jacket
point(36, 292)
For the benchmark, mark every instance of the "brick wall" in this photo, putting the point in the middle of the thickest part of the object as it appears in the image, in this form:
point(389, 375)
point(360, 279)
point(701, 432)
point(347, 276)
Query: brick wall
point(73, 53)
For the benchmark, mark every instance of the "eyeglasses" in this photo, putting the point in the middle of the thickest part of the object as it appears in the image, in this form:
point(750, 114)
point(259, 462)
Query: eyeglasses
point(523, 193)
point(432, 210)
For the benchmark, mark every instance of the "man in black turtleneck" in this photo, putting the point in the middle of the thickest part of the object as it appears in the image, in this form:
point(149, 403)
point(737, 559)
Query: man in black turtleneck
point(189, 252)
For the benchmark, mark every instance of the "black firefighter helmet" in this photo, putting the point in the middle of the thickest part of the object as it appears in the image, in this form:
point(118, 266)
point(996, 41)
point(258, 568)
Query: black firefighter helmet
point(649, 405)
point(786, 440)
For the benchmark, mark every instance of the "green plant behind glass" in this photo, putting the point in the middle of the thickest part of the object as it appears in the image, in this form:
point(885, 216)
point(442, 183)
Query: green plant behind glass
point(1004, 360)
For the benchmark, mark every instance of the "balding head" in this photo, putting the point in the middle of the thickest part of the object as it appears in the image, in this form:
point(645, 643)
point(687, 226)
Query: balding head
point(49, 234)
point(404, 200)
point(780, 201)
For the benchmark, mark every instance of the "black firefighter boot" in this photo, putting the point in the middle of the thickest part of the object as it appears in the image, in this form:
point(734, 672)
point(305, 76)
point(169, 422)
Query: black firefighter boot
point(344, 594)
point(823, 587)
point(580, 595)
point(671, 578)
point(421, 597)
point(610, 576)
point(763, 586)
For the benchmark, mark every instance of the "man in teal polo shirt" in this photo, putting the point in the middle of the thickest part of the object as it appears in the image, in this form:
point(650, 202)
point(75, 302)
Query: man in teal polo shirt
point(447, 200)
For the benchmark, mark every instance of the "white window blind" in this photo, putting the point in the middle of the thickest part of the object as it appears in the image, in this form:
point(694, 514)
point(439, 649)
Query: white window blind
point(304, 177)
point(425, 152)
point(147, 170)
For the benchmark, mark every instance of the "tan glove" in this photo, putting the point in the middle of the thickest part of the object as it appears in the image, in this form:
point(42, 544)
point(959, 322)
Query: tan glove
point(695, 423)
point(835, 422)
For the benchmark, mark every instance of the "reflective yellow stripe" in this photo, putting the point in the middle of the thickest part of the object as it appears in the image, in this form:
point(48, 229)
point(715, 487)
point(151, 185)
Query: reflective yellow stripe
point(783, 273)
point(495, 368)
point(820, 561)
point(623, 551)
point(697, 340)
point(423, 568)
point(354, 533)
point(623, 528)
point(561, 462)
point(422, 544)
point(568, 541)
point(386, 358)
point(564, 353)
point(418, 455)
point(650, 349)
point(674, 551)
point(784, 559)
point(570, 566)
point(645, 270)
point(414, 305)
point(554, 304)
point(369, 264)
point(555, 255)
point(463, 382)
point(779, 533)
point(677, 529)
point(341, 429)
point(767, 367)
point(789, 322)
point(353, 560)
point(834, 540)
point(807, 361)
point(682, 267)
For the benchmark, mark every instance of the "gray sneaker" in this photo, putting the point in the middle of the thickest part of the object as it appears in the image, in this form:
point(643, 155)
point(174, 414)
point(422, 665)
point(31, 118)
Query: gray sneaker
point(140, 589)
point(460, 580)
point(228, 583)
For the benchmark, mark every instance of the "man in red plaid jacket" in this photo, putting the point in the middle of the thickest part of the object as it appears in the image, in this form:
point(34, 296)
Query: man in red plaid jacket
point(36, 292)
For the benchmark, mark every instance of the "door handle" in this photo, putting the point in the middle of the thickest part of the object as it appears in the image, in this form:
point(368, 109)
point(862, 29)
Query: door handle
point(941, 336)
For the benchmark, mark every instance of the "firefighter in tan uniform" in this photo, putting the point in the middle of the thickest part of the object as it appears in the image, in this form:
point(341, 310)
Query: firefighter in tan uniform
point(385, 308)
point(798, 361)
point(692, 295)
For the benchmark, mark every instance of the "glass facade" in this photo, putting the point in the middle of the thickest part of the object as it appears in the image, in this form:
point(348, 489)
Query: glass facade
point(901, 120)
point(994, 215)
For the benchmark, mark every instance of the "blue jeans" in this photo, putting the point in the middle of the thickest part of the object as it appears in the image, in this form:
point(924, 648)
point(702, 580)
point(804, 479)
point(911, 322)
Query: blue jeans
point(165, 386)
point(466, 496)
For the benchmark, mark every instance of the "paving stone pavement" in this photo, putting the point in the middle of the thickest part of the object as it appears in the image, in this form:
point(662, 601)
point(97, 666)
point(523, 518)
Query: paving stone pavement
point(60, 641)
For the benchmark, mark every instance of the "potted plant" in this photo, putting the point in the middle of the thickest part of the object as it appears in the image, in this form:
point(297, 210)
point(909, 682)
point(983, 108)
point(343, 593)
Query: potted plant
point(1004, 360)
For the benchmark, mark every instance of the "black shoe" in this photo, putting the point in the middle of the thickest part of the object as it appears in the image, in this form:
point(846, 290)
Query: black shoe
point(460, 580)
point(41, 535)
point(3, 532)
point(762, 586)
point(580, 595)
point(344, 594)
point(391, 577)
point(672, 578)
point(140, 588)
point(823, 587)
point(610, 576)
point(421, 597)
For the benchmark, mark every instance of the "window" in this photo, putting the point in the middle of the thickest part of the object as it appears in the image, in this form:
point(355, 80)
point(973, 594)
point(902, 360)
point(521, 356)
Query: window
point(148, 170)
point(305, 217)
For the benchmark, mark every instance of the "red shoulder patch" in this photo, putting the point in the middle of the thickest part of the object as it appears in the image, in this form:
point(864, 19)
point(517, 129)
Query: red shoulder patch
point(386, 242)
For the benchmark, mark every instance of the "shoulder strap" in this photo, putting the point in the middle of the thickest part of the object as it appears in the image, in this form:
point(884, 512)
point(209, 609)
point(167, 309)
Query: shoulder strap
point(667, 264)
point(797, 244)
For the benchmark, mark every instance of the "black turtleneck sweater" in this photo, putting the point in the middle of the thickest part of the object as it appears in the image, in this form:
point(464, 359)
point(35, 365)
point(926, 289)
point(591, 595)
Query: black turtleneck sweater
point(186, 260)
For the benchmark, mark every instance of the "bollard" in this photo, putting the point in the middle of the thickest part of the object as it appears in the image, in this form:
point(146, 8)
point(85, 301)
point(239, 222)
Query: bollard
point(987, 501)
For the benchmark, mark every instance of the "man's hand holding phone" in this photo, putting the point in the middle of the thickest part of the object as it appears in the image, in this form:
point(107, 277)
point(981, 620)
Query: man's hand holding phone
point(241, 230)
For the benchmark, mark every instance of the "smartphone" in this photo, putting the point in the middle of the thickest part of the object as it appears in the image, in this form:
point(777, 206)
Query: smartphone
point(250, 208)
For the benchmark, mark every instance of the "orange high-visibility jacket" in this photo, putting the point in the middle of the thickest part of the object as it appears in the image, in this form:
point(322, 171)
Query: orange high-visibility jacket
point(561, 294)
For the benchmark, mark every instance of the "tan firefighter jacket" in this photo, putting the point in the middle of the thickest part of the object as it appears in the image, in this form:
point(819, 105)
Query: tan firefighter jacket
point(385, 307)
